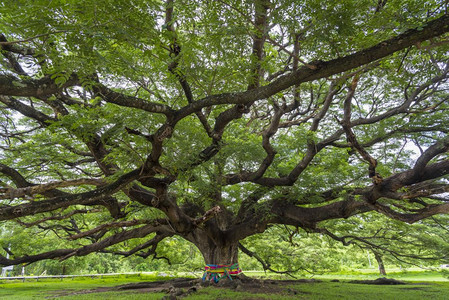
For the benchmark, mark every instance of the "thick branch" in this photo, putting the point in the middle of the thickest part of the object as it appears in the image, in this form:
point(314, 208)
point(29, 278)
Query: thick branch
point(129, 101)
point(11, 193)
point(27, 110)
point(307, 217)
point(12, 86)
point(12, 212)
point(15, 176)
point(66, 253)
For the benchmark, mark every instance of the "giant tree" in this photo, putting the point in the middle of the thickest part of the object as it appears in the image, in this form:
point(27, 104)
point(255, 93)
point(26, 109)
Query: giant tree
point(128, 122)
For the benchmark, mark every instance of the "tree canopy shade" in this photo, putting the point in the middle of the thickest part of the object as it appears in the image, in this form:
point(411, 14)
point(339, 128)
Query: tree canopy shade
point(128, 122)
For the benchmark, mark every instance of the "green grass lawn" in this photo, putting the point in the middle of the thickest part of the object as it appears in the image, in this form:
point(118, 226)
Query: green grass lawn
point(43, 288)
point(422, 285)
point(337, 290)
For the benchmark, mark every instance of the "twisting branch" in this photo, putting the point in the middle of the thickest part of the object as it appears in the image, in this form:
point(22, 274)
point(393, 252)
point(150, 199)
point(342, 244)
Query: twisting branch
point(352, 140)
point(12, 212)
point(428, 211)
point(15, 176)
point(439, 147)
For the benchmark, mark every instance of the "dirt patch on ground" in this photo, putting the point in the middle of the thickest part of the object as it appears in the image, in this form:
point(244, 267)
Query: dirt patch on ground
point(180, 287)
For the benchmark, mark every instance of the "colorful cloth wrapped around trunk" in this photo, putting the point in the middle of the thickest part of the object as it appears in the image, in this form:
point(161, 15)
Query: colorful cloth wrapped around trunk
point(216, 272)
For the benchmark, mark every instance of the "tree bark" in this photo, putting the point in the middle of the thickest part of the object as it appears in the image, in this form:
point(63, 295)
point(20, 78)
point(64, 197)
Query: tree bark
point(220, 255)
point(217, 252)
point(380, 263)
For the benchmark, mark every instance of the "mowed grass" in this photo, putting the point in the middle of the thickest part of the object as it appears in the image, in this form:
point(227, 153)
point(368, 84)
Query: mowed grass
point(68, 289)
point(55, 288)
point(335, 290)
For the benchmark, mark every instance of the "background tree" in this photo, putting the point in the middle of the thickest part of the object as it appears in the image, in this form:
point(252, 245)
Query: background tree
point(126, 123)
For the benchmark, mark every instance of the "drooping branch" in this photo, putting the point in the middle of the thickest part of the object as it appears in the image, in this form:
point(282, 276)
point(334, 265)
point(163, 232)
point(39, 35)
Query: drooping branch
point(428, 211)
point(150, 243)
point(265, 264)
point(12, 86)
point(139, 232)
point(121, 224)
point(360, 241)
point(94, 247)
point(12, 212)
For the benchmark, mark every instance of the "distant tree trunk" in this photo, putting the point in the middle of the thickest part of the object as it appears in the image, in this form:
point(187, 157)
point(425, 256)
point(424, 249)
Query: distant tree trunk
point(380, 263)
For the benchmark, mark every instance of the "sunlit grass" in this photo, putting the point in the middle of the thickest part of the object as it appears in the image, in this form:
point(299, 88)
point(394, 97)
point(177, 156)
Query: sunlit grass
point(33, 289)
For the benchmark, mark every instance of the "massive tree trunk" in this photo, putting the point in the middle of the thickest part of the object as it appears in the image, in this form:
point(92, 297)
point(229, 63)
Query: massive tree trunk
point(226, 254)
point(215, 247)
point(220, 254)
